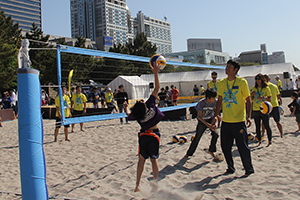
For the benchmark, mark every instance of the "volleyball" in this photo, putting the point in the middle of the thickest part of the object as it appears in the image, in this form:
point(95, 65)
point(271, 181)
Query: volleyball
point(256, 139)
point(266, 107)
point(193, 137)
point(175, 138)
point(159, 59)
point(250, 136)
point(183, 139)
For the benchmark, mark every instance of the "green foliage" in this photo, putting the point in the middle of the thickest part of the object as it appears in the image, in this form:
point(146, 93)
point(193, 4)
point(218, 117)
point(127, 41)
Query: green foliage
point(244, 64)
point(80, 42)
point(10, 40)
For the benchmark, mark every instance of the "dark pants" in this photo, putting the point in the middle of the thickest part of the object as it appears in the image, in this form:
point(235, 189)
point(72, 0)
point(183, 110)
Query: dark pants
point(237, 131)
point(199, 132)
point(121, 109)
point(258, 116)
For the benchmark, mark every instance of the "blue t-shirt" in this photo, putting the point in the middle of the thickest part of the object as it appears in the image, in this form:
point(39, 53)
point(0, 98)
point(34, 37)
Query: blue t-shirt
point(153, 116)
point(206, 108)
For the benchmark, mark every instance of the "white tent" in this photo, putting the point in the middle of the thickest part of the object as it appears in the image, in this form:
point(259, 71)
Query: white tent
point(185, 81)
point(135, 87)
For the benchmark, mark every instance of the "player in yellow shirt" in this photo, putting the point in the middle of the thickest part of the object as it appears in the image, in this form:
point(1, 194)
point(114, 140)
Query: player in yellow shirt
point(213, 83)
point(66, 104)
point(78, 106)
point(261, 92)
point(275, 98)
point(279, 83)
point(233, 92)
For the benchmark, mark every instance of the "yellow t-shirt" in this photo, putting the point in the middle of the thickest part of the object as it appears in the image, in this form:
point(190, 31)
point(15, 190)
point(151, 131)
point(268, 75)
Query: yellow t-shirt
point(279, 84)
point(234, 94)
point(79, 100)
point(213, 85)
point(264, 92)
point(109, 97)
point(66, 104)
point(274, 93)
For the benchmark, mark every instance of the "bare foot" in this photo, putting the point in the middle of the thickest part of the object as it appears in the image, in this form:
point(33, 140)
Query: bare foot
point(55, 140)
point(68, 140)
point(281, 135)
point(297, 130)
point(82, 130)
point(259, 143)
point(154, 186)
point(269, 144)
point(137, 188)
point(72, 131)
point(211, 153)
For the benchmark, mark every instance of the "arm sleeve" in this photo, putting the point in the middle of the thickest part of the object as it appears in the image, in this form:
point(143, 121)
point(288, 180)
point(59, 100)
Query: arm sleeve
point(245, 89)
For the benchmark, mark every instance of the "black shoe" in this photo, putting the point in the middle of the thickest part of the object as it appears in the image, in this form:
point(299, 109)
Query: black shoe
point(229, 171)
point(248, 173)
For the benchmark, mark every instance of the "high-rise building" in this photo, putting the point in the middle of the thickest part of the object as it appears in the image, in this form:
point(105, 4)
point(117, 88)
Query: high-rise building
point(110, 21)
point(201, 44)
point(157, 31)
point(276, 57)
point(96, 19)
point(25, 12)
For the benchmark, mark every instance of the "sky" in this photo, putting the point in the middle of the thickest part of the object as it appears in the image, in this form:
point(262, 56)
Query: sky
point(242, 25)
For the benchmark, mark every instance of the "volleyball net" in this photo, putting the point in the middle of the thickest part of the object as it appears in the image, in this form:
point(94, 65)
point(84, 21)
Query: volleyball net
point(104, 67)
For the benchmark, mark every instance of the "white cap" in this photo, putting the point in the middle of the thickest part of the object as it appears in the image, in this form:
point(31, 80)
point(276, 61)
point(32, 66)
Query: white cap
point(109, 88)
point(277, 76)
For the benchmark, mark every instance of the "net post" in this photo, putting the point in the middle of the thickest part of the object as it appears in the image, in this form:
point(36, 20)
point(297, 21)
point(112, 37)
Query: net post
point(58, 58)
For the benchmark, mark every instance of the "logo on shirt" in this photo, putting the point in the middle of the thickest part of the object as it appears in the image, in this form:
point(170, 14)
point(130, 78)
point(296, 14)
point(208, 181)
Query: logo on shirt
point(149, 115)
point(230, 97)
point(78, 101)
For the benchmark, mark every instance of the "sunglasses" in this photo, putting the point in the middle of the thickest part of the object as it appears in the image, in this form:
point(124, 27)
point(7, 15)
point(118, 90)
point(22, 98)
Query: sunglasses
point(257, 78)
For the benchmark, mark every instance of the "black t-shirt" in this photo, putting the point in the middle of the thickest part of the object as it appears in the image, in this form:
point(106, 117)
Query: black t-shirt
point(162, 96)
point(295, 103)
point(196, 91)
point(121, 97)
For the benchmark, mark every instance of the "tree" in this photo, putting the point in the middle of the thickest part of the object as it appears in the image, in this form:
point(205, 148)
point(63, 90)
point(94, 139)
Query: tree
point(80, 42)
point(10, 41)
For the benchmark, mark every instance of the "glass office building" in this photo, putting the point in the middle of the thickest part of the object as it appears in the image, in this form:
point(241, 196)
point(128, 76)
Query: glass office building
point(25, 12)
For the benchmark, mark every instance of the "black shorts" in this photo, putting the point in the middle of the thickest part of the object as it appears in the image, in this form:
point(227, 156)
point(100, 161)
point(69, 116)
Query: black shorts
point(58, 123)
point(298, 117)
point(77, 113)
point(149, 143)
point(275, 114)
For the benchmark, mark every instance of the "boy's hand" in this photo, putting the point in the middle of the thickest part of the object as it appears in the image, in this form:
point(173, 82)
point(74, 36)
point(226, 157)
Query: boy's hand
point(155, 68)
point(125, 105)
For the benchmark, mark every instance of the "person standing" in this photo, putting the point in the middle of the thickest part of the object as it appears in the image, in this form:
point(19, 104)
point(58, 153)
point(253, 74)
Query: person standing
point(6, 100)
point(233, 91)
point(78, 106)
point(291, 84)
point(213, 83)
point(121, 97)
point(261, 92)
point(196, 90)
point(169, 97)
point(95, 97)
point(66, 104)
point(279, 83)
point(175, 93)
point(275, 100)
point(202, 90)
point(162, 97)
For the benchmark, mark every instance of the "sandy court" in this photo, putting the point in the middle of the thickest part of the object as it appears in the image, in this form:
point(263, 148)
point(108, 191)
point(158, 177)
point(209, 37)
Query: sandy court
point(101, 162)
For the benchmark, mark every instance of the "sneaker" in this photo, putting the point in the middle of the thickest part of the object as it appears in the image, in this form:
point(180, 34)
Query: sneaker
point(229, 171)
point(249, 173)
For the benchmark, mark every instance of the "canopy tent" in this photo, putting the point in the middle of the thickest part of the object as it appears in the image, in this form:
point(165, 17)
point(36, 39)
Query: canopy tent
point(135, 87)
point(185, 81)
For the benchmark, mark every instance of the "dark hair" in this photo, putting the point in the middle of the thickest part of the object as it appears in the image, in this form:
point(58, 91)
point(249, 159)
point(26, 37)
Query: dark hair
point(162, 89)
point(294, 94)
point(63, 86)
point(263, 81)
point(172, 86)
point(139, 110)
point(267, 77)
point(167, 87)
point(120, 86)
point(209, 93)
point(214, 73)
point(77, 87)
point(235, 64)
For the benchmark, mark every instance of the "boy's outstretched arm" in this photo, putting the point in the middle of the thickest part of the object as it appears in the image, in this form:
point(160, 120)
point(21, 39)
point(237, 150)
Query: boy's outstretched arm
point(155, 70)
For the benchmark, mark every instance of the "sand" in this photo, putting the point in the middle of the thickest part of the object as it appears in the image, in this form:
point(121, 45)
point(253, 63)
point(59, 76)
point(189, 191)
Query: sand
point(101, 162)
